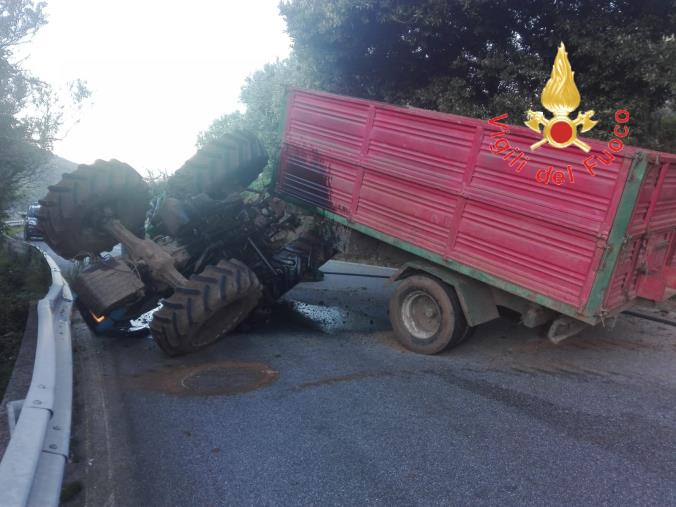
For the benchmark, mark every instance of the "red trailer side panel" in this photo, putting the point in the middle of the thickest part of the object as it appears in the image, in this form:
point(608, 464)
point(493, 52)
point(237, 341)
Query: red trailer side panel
point(430, 179)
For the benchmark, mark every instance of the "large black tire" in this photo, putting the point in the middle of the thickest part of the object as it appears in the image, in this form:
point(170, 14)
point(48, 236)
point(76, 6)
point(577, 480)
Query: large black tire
point(72, 212)
point(426, 315)
point(212, 304)
point(223, 166)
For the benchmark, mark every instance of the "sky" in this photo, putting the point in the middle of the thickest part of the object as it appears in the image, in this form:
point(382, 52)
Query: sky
point(159, 71)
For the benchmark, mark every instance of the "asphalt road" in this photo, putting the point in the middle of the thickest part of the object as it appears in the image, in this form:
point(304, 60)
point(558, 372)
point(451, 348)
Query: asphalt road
point(319, 405)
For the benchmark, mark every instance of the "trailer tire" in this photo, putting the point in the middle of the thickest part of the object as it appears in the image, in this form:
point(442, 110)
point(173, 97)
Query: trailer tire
point(71, 214)
point(210, 305)
point(426, 315)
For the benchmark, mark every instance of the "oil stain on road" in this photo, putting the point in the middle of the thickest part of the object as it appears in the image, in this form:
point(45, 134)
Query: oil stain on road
point(222, 378)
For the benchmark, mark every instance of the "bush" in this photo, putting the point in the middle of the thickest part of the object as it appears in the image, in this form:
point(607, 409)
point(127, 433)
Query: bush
point(24, 277)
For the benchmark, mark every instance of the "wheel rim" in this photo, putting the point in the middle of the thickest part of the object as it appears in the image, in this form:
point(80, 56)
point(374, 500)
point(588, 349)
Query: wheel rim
point(421, 315)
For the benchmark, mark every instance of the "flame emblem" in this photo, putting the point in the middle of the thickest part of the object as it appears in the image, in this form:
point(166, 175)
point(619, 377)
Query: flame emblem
point(560, 97)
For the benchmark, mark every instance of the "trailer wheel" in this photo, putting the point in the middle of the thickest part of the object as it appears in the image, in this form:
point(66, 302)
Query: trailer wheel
point(210, 305)
point(71, 213)
point(426, 315)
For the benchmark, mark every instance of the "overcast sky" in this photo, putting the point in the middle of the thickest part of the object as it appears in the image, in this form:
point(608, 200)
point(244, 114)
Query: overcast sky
point(159, 71)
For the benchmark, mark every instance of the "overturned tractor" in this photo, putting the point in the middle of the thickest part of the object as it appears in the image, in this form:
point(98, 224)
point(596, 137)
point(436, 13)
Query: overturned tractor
point(205, 249)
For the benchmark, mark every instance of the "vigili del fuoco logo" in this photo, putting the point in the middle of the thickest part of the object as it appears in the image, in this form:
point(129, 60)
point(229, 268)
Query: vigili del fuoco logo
point(560, 97)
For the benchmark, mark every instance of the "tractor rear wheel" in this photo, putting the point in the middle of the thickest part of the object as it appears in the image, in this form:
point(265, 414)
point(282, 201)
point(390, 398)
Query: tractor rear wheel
point(72, 212)
point(210, 305)
point(225, 165)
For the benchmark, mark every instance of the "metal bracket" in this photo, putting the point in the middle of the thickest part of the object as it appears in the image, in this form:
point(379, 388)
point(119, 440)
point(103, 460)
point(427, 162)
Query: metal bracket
point(13, 413)
point(564, 327)
point(476, 298)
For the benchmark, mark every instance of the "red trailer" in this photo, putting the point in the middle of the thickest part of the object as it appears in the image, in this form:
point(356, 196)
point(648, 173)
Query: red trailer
point(567, 251)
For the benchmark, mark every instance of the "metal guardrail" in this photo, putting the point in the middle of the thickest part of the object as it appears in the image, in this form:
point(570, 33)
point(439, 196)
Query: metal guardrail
point(13, 223)
point(31, 471)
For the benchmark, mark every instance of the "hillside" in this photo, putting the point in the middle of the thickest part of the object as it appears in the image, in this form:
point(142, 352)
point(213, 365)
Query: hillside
point(47, 174)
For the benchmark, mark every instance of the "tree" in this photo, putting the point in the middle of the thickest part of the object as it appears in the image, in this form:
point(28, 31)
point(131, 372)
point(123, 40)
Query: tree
point(18, 19)
point(482, 58)
point(476, 57)
point(263, 95)
point(29, 114)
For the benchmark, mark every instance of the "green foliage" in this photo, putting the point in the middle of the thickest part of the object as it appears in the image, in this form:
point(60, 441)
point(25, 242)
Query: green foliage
point(481, 58)
point(18, 20)
point(227, 123)
point(14, 231)
point(477, 58)
point(24, 277)
point(263, 94)
point(29, 115)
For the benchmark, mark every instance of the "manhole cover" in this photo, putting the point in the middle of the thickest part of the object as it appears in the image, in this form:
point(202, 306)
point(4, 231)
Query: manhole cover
point(227, 380)
point(212, 379)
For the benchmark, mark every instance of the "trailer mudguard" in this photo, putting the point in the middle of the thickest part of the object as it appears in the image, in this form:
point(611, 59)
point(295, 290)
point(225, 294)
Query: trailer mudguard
point(476, 298)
